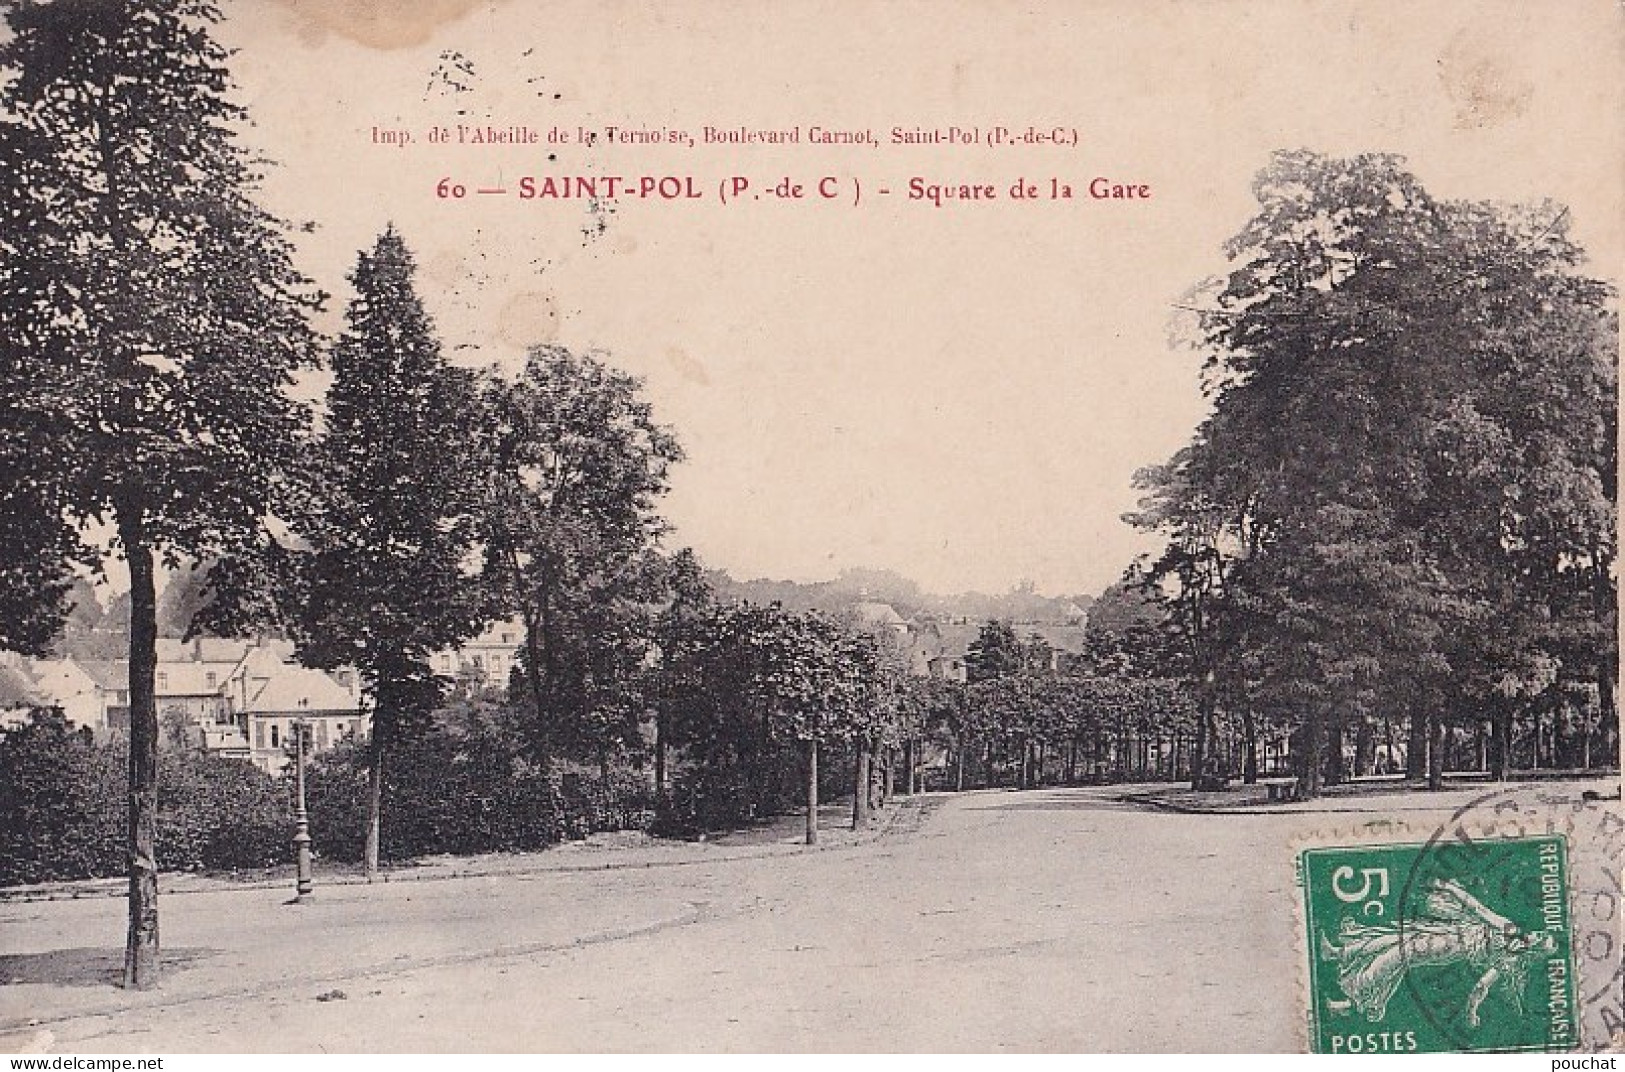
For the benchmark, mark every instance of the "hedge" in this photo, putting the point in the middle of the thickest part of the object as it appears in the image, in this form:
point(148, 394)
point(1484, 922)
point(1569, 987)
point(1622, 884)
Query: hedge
point(63, 803)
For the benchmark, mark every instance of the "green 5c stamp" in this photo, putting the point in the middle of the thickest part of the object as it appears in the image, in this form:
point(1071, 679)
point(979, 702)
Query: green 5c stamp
point(1453, 946)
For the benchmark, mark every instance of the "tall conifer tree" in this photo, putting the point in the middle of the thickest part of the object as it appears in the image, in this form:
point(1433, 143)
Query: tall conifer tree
point(385, 584)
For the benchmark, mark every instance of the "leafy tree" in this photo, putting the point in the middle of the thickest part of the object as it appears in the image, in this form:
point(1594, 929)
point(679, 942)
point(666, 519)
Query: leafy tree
point(575, 463)
point(156, 319)
point(1411, 443)
point(995, 653)
point(815, 674)
point(680, 635)
point(384, 584)
point(875, 722)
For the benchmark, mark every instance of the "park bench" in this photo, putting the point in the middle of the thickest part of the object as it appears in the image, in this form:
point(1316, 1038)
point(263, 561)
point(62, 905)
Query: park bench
point(1281, 789)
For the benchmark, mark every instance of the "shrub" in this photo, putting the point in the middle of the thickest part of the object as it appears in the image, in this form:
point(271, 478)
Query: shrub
point(456, 789)
point(63, 812)
point(462, 791)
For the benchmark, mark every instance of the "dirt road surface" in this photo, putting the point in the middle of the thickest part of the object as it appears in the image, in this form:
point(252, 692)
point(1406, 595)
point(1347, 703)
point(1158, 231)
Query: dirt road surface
point(1053, 920)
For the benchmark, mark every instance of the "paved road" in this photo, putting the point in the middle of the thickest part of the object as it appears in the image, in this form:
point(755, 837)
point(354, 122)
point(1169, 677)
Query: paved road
point(1050, 920)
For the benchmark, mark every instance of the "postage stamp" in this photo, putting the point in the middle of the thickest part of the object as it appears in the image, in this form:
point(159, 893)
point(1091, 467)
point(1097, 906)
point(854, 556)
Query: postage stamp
point(1452, 945)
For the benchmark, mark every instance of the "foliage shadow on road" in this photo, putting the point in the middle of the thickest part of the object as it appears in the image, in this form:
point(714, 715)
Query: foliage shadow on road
point(1053, 803)
point(85, 967)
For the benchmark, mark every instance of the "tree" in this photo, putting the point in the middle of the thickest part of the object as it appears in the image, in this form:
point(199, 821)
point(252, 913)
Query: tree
point(996, 652)
point(815, 681)
point(680, 635)
point(385, 581)
point(1412, 434)
point(573, 463)
point(157, 319)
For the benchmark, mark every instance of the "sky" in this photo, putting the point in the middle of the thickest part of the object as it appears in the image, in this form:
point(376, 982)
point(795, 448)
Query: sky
point(961, 394)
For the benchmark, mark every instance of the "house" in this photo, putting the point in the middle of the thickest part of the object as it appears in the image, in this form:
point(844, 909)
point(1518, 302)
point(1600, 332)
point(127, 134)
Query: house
point(69, 687)
point(232, 698)
point(18, 696)
point(487, 659)
point(190, 683)
point(280, 696)
point(111, 681)
point(943, 646)
point(880, 616)
point(63, 684)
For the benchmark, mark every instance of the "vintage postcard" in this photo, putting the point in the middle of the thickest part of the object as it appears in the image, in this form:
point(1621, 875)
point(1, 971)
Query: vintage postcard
point(829, 526)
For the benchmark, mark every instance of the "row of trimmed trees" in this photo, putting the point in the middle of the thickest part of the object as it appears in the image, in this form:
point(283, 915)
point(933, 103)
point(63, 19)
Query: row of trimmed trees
point(1025, 716)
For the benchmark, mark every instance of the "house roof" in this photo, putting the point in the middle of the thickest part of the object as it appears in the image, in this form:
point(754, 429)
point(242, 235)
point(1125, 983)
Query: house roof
point(16, 690)
point(508, 635)
point(111, 674)
point(877, 614)
point(295, 690)
point(202, 650)
point(937, 640)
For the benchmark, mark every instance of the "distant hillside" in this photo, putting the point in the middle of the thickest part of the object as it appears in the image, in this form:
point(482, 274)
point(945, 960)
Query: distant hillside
point(904, 595)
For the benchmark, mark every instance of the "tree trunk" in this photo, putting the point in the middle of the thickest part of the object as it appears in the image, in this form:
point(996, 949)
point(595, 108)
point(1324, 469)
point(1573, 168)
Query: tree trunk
point(908, 767)
point(764, 772)
point(661, 733)
point(375, 797)
point(533, 677)
point(1309, 765)
point(812, 792)
point(1026, 771)
point(887, 777)
point(959, 774)
point(860, 787)
point(1249, 734)
point(1416, 748)
point(1334, 773)
point(141, 950)
point(1365, 749)
point(1072, 761)
point(1199, 751)
point(1500, 745)
point(1435, 729)
point(1608, 719)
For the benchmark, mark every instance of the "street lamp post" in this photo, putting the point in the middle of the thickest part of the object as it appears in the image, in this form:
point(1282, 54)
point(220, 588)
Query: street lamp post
point(301, 836)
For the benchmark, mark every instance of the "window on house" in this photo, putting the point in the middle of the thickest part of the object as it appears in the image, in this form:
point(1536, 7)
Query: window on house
point(209, 679)
point(163, 682)
point(259, 735)
point(445, 662)
point(276, 742)
point(507, 638)
point(321, 734)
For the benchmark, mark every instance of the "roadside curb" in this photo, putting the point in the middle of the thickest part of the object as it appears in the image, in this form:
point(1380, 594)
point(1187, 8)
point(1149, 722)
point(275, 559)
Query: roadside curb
point(91, 889)
point(1149, 802)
